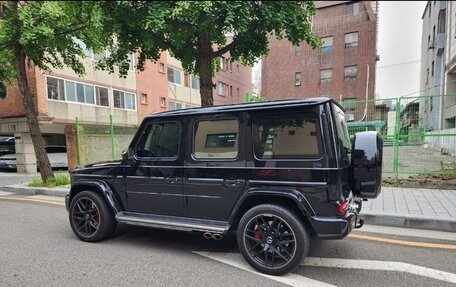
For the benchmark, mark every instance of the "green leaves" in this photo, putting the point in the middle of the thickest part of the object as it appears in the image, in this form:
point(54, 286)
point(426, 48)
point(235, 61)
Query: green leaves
point(45, 31)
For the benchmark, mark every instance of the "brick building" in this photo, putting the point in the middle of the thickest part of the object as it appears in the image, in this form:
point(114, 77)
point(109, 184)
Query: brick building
point(344, 67)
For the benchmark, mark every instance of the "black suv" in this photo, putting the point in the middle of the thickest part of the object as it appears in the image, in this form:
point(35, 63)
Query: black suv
point(274, 173)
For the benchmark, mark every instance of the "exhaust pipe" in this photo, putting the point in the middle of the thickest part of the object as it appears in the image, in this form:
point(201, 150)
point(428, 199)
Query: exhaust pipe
point(215, 236)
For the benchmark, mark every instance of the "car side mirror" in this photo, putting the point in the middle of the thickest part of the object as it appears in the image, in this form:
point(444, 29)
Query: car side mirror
point(128, 153)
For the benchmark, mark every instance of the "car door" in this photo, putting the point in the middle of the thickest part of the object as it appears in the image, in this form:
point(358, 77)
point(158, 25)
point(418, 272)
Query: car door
point(154, 176)
point(215, 165)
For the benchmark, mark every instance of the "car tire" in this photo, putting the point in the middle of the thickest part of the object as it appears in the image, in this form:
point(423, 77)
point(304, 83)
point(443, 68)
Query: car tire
point(91, 218)
point(272, 239)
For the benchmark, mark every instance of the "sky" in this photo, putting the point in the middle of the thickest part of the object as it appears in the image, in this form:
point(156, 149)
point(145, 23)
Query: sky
point(399, 47)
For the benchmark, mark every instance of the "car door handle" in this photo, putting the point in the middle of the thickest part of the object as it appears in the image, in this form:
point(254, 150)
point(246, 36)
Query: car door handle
point(171, 179)
point(232, 182)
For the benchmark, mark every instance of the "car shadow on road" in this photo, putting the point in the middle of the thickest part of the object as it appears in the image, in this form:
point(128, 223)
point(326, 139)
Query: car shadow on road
point(171, 239)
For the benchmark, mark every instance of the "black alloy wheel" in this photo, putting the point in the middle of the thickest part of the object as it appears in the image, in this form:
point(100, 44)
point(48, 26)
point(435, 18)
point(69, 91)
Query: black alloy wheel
point(91, 218)
point(86, 217)
point(272, 239)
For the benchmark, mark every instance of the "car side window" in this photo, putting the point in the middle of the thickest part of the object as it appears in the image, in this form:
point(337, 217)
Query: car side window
point(216, 139)
point(287, 136)
point(159, 140)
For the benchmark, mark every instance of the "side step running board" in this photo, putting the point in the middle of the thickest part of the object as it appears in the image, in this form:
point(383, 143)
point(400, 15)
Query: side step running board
point(172, 222)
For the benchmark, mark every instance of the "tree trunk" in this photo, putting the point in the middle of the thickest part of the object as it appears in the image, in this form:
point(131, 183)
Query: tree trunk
point(204, 64)
point(32, 119)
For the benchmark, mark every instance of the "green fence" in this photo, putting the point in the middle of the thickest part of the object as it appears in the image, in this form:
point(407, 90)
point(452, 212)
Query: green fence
point(102, 140)
point(418, 132)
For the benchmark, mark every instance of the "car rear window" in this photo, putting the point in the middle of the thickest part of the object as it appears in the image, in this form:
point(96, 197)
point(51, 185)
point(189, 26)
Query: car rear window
point(287, 136)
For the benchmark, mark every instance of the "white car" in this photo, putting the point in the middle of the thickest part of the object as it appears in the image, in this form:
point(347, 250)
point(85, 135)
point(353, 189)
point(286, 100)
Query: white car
point(57, 157)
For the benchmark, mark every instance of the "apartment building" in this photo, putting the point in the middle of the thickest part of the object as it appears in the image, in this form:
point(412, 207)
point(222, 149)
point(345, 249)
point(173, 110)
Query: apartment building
point(344, 67)
point(438, 67)
point(99, 97)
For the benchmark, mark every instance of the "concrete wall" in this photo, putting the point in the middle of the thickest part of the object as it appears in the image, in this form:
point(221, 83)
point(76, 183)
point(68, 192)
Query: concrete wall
point(448, 142)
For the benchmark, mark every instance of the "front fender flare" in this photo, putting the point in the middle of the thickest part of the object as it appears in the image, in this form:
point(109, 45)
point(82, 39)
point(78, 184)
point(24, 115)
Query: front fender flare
point(102, 186)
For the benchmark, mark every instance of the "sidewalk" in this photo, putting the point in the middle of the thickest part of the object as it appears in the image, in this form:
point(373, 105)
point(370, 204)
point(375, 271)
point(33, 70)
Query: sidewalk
point(413, 208)
point(401, 207)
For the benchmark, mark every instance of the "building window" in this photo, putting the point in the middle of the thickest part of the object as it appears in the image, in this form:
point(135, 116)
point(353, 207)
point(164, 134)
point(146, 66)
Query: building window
point(216, 139)
point(55, 89)
point(131, 62)
point(124, 100)
point(298, 50)
point(326, 75)
point(298, 79)
point(195, 82)
point(221, 89)
point(441, 21)
point(433, 33)
point(353, 8)
point(327, 45)
point(427, 76)
point(162, 102)
point(177, 106)
point(429, 9)
point(174, 76)
point(231, 91)
point(161, 68)
point(63, 90)
point(432, 69)
point(238, 94)
point(350, 72)
point(349, 104)
point(222, 64)
point(2, 87)
point(144, 99)
point(102, 96)
point(351, 40)
point(237, 69)
point(231, 66)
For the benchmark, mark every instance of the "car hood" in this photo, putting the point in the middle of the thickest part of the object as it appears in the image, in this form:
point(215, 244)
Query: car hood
point(101, 164)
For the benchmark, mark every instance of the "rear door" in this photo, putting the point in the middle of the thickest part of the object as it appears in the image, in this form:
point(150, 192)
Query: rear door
point(215, 165)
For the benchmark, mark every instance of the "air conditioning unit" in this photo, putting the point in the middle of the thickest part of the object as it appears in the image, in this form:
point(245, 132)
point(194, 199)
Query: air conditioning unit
point(349, 117)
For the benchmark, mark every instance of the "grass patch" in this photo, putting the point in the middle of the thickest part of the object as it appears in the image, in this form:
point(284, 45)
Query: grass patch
point(58, 180)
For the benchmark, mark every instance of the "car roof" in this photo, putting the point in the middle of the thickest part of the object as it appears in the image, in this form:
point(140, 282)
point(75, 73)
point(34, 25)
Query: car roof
point(246, 107)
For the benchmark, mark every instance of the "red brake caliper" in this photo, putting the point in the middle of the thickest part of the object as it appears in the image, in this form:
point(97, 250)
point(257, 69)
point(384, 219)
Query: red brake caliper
point(257, 235)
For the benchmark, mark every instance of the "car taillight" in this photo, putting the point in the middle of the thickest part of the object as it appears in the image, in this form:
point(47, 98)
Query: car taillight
point(342, 207)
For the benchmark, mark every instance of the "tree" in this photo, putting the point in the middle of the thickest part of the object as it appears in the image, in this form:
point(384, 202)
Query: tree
point(43, 34)
point(195, 32)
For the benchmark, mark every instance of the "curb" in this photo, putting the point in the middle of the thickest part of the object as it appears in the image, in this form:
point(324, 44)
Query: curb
point(27, 190)
point(410, 221)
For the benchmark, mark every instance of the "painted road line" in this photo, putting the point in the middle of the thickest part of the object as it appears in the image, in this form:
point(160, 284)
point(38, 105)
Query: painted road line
point(410, 232)
point(32, 200)
point(236, 260)
point(403, 242)
point(380, 266)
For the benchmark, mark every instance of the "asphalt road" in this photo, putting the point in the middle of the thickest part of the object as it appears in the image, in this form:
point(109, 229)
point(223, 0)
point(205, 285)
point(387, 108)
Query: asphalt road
point(38, 248)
